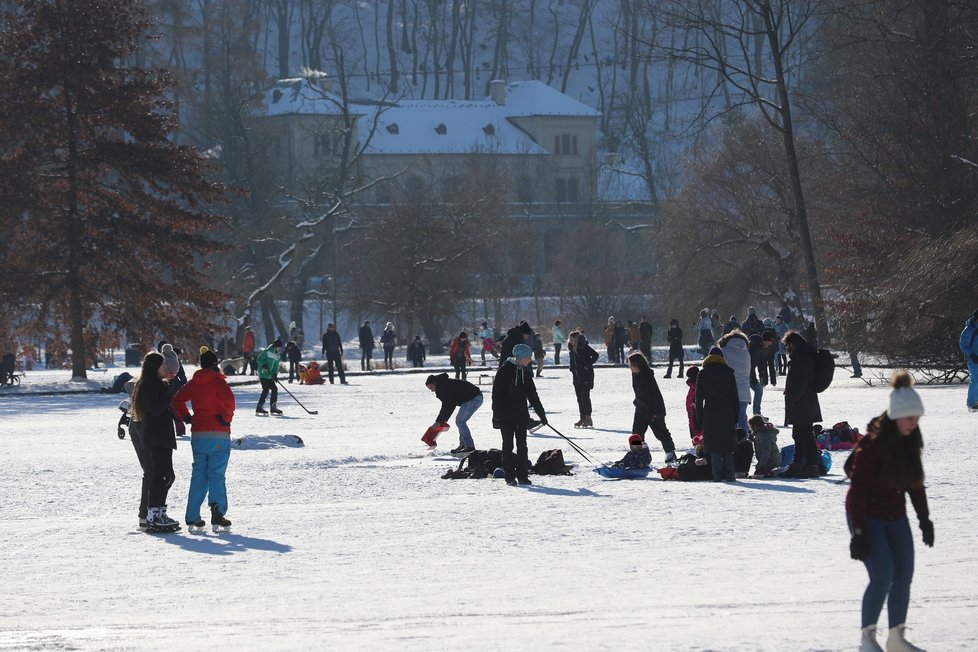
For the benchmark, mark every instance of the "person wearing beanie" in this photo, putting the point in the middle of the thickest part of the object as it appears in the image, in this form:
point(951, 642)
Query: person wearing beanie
point(516, 335)
point(801, 406)
point(176, 376)
point(717, 408)
point(752, 324)
point(650, 409)
point(212, 402)
point(694, 430)
point(293, 354)
point(153, 437)
point(638, 455)
point(268, 367)
point(454, 393)
point(886, 467)
point(582, 359)
point(512, 389)
point(969, 347)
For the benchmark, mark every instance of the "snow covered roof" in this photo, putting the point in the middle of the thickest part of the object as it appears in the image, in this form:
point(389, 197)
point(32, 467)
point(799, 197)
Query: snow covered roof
point(534, 98)
point(446, 127)
point(432, 126)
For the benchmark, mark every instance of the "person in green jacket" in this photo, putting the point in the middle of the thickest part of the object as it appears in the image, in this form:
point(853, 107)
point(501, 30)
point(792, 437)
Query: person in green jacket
point(558, 341)
point(268, 361)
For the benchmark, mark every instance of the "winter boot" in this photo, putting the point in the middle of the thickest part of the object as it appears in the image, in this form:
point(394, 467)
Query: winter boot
point(579, 422)
point(587, 423)
point(218, 522)
point(165, 521)
point(158, 521)
point(896, 643)
point(275, 409)
point(868, 642)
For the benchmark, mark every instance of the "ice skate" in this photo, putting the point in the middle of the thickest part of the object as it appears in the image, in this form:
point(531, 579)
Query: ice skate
point(261, 412)
point(276, 411)
point(218, 522)
point(586, 422)
point(157, 522)
point(196, 527)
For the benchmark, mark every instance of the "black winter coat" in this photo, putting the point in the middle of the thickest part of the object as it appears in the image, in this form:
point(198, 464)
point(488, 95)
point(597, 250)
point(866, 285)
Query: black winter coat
point(452, 393)
point(717, 407)
point(416, 352)
point(648, 398)
point(292, 352)
point(366, 338)
point(645, 333)
point(800, 400)
point(514, 336)
point(675, 339)
point(153, 399)
point(332, 342)
point(582, 364)
point(511, 390)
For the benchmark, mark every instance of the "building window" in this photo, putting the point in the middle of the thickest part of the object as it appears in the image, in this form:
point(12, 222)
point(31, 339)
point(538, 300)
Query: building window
point(565, 144)
point(567, 190)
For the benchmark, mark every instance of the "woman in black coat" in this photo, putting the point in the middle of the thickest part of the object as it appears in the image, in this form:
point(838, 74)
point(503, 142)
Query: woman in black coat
point(801, 406)
point(582, 359)
point(717, 410)
point(650, 409)
point(151, 410)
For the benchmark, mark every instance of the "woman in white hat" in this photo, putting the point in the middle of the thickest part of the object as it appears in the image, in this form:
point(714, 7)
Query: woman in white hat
point(886, 466)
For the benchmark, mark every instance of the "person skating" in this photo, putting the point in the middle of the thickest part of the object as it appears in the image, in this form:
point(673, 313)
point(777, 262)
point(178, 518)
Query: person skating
point(516, 335)
point(801, 406)
point(886, 467)
point(717, 408)
point(212, 402)
point(268, 364)
point(704, 326)
point(178, 380)
point(416, 352)
point(366, 337)
point(675, 339)
point(248, 352)
point(968, 343)
point(620, 340)
point(645, 337)
point(488, 343)
point(453, 394)
point(460, 355)
point(512, 388)
point(388, 340)
point(151, 411)
point(650, 409)
point(333, 350)
point(582, 359)
point(539, 353)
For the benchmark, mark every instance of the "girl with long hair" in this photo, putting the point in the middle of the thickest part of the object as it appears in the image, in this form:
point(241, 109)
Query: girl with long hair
point(886, 467)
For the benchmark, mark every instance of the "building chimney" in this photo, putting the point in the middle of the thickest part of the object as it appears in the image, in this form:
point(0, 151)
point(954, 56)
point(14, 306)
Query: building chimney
point(497, 91)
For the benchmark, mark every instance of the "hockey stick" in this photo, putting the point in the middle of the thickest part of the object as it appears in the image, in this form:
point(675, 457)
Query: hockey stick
point(295, 399)
point(575, 446)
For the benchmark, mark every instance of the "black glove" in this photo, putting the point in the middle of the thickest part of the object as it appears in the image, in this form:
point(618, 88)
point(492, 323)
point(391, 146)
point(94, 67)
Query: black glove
point(974, 357)
point(187, 418)
point(859, 547)
point(928, 530)
point(543, 419)
point(221, 421)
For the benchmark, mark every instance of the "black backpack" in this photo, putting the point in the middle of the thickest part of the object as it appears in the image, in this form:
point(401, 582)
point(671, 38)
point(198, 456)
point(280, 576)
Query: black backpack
point(824, 369)
point(551, 462)
point(478, 465)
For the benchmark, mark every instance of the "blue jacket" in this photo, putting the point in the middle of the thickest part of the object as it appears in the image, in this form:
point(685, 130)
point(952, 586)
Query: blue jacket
point(969, 338)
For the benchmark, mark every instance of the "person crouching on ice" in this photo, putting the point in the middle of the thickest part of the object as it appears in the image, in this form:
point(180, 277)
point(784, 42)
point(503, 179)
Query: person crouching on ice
point(455, 393)
point(638, 455)
point(210, 438)
point(511, 390)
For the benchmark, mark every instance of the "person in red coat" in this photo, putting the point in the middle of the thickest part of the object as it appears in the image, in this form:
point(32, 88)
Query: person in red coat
point(213, 405)
point(886, 467)
point(694, 431)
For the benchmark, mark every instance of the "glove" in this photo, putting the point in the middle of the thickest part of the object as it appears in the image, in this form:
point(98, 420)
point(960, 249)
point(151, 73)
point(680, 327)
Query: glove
point(187, 418)
point(221, 421)
point(928, 530)
point(543, 419)
point(859, 547)
point(974, 357)
point(497, 423)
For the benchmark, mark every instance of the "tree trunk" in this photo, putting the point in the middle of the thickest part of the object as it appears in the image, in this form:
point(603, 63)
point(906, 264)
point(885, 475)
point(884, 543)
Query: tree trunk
point(433, 332)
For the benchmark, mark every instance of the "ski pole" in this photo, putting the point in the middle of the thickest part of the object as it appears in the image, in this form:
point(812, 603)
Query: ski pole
point(575, 446)
point(295, 399)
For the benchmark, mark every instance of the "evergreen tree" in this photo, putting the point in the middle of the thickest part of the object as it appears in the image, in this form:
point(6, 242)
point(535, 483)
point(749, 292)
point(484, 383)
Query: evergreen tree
point(105, 214)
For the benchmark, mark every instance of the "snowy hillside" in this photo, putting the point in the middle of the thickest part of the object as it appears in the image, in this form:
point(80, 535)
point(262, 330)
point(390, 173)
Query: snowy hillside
point(355, 542)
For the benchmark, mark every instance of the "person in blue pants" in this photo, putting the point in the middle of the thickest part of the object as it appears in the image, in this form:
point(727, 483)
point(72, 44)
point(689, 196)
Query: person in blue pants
point(969, 347)
point(886, 467)
point(213, 405)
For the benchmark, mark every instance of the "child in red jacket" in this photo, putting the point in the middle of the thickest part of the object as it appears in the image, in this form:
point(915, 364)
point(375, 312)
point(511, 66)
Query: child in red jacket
point(691, 373)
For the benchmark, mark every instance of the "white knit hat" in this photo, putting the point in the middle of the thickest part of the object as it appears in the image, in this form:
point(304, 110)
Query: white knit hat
point(170, 363)
point(904, 399)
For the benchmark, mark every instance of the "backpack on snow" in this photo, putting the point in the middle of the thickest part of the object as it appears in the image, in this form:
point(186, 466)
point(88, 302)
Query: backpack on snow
point(478, 465)
point(824, 369)
point(551, 462)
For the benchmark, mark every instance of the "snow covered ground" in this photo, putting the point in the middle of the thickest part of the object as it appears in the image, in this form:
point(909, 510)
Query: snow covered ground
point(355, 542)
